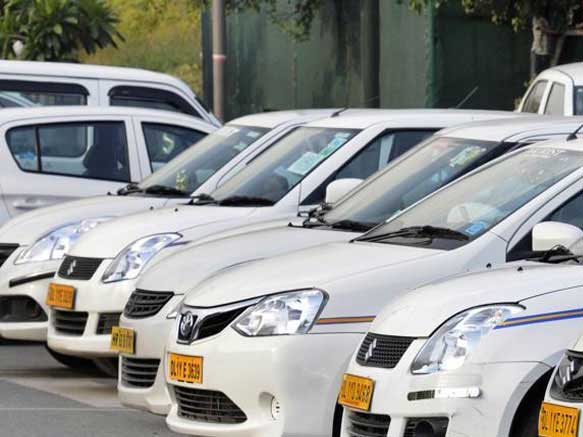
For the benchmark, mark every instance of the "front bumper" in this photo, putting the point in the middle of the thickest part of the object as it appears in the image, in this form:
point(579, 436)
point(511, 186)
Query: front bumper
point(25, 282)
point(98, 302)
point(151, 336)
point(301, 372)
point(501, 386)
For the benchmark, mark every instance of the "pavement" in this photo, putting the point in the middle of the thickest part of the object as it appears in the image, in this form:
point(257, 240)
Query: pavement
point(41, 398)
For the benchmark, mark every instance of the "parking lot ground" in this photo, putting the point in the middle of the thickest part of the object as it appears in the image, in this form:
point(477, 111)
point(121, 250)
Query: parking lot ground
point(41, 398)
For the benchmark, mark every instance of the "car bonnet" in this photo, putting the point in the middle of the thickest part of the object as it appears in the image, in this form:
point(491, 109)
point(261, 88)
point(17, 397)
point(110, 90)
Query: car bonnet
point(420, 312)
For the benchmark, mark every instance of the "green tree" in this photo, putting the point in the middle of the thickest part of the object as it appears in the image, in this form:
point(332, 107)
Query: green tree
point(56, 30)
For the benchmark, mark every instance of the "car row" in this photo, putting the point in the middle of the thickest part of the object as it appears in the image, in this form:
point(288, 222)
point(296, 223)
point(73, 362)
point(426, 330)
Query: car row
point(345, 272)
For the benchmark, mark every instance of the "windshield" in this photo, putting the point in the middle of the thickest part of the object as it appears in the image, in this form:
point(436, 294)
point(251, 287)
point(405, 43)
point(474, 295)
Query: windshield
point(466, 209)
point(275, 172)
point(193, 167)
point(429, 166)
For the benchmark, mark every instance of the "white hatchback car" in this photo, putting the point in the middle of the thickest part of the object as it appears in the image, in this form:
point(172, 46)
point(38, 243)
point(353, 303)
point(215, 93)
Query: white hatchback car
point(561, 411)
point(260, 349)
point(33, 244)
point(292, 174)
point(49, 155)
point(33, 83)
point(472, 355)
point(147, 318)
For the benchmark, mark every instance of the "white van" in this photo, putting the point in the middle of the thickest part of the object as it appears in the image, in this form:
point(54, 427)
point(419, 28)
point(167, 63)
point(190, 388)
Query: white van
point(27, 83)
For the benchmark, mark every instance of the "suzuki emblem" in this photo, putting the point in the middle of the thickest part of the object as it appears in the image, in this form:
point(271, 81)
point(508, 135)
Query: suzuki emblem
point(371, 347)
point(71, 268)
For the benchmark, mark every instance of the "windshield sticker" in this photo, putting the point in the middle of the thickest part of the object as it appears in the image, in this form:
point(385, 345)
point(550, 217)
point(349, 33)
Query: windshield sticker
point(466, 156)
point(305, 163)
point(476, 228)
point(241, 146)
point(253, 134)
point(332, 146)
point(227, 131)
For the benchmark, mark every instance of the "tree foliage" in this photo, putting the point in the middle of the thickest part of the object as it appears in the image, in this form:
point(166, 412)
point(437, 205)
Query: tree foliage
point(56, 30)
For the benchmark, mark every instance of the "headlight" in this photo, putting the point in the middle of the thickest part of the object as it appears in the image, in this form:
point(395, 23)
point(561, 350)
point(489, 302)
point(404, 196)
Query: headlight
point(56, 243)
point(566, 384)
point(450, 345)
point(130, 261)
point(282, 314)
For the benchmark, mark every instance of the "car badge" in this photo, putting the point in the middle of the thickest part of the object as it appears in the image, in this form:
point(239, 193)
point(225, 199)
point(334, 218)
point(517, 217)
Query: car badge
point(186, 325)
point(71, 268)
point(371, 347)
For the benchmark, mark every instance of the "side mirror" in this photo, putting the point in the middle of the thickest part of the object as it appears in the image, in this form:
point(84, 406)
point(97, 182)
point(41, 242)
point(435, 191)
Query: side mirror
point(547, 235)
point(337, 189)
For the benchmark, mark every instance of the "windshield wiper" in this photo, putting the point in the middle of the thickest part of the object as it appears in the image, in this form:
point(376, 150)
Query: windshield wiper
point(419, 232)
point(353, 225)
point(128, 189)
point(246, 200)
point(163, 190)
point(203, 199)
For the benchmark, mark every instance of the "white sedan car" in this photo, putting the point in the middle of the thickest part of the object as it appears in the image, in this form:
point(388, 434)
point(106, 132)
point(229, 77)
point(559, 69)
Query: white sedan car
point(260, 349)
point(32, 245)
point(147, 317)
point(95, 280)
point(472, 355)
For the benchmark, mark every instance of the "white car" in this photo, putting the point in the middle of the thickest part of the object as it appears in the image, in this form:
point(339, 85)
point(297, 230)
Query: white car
point(556, 91)
point(50, 155)
point(260, 349)
point(28, 83)
point(561, 411)
point(95, 280)
point(32, 245)
point(473, 355)
point(148, 316)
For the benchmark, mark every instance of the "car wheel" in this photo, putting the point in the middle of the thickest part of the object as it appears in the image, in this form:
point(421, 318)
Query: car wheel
point(525, 422)
point(107, 366)
point(74, 363)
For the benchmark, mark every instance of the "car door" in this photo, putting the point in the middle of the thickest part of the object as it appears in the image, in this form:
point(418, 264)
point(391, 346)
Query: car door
point(62, 159)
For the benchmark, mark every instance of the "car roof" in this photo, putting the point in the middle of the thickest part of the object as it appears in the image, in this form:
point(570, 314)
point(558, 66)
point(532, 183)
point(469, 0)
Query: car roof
point(574, 71)
point(87, 71)
point(365, 118)
point(506, 129)
point(272, 119)
point(13, 114)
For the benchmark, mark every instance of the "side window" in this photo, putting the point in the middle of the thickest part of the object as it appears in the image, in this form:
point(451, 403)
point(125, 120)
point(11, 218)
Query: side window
point(533, 101)
point(23, 93)
point(570, 212)
point(556, 100)
point(164, 142)
point(89, 150)
point(374, 157)
point(153, 98)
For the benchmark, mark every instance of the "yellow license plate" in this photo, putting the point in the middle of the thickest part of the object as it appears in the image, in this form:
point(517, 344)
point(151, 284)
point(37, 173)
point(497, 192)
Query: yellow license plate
point(61, 296)
point(558, 421)
point(185, 368)
point(356, 392)
point(123, 340)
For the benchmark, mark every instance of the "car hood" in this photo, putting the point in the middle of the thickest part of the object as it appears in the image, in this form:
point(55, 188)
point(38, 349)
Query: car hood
point(29, 227)
point(306, 268)
point(121, 232)
point(186, 268)
point(420, 312)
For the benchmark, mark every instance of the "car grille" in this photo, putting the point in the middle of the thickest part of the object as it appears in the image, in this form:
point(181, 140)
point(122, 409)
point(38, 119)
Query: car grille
point(106, 322)
point(567, 382)
point(70, 322)
point(142, 304)
point(5, 251)
point(211, 324)
point(367, 425)
point(139, 373)
point(21, 309)
point(82, 269)
point(432, 426)
point(382, 350)
point(207, 406)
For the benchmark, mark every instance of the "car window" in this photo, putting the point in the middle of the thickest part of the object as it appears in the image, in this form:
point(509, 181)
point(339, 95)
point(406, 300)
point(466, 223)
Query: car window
point(534, 98)
point(153, 98)
point(556, 100)
point(24, 93)
point(89, 150)
point(164, 142)
point(372, 158)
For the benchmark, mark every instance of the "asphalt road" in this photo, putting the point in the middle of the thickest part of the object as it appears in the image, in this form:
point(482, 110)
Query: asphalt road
point(41, 398)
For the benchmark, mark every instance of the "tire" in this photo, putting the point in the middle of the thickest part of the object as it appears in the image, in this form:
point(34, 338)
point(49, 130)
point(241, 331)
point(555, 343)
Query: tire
point(107, 366)
point(525, 422)
point(72, 362)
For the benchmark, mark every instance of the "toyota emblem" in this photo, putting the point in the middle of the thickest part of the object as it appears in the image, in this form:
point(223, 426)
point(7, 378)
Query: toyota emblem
point(186, 325)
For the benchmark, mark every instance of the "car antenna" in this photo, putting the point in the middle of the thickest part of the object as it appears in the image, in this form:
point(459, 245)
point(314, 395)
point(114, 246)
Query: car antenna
point(467, 97)
point(573, 135)
point(340, 111)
